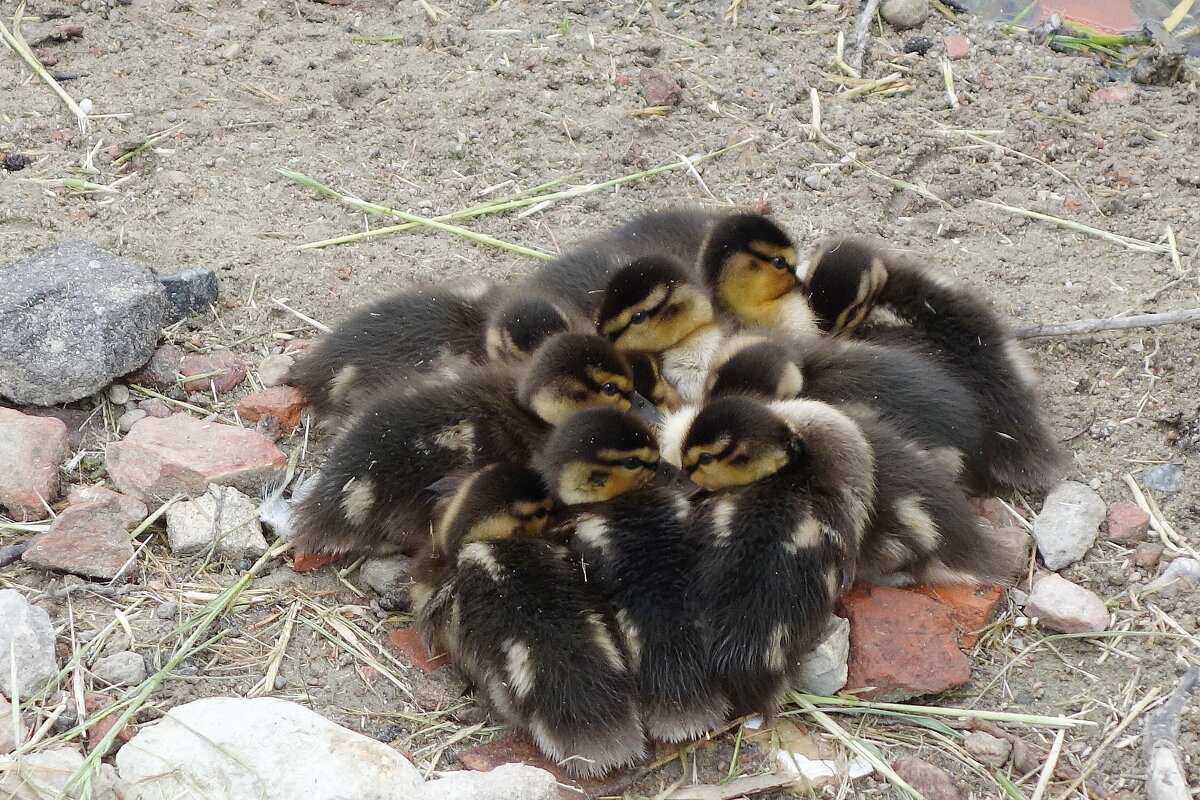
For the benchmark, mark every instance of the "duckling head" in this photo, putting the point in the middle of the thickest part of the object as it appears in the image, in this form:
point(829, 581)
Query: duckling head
point(598, 454)
point(845, 276)
point(500, 501)
point(755, 365)
point(750, 262)
point(573, 371)
point(651, 384)
point(651, 305)
point(516, 328)
point(734, 441)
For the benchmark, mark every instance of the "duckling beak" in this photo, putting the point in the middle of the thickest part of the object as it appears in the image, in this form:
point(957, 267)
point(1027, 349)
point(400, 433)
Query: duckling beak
point(644, 408)
point(667, 474)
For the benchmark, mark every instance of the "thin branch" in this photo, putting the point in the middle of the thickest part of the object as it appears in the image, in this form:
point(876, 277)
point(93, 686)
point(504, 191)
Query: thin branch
point(1165, 776)
point(862, 32)
point(1109, 324)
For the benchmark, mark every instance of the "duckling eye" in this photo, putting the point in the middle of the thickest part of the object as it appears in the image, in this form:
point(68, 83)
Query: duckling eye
point(633, 462)
point(779, 262)
point(610, 388)
point(706, 458)
point(639, 317)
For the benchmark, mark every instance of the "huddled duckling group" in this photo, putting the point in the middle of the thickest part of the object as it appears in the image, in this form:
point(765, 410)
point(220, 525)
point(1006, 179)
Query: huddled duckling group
point(638, 482)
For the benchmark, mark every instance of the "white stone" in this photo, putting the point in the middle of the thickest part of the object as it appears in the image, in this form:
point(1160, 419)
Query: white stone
point(273, 370)
point(44, 775)
point(1181, 575)
point(904, 14)
point(260, 749)
point(126, 668)
point(506, 782)
point(1068, 524)
point(27, 636)
point(1066, 607)
point(823, 671)
point(223, 516)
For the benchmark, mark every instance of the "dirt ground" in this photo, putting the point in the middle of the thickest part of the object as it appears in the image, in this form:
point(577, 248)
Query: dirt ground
point(491, 99)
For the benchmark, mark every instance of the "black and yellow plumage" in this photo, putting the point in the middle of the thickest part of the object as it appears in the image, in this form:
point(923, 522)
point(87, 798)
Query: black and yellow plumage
point(634, 540)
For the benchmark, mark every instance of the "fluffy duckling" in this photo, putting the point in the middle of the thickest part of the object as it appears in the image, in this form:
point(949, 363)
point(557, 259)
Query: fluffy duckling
point(790, 495)
point(517, 617)
point(421, 333)
point(633, 538)
point(372, 492)
point(747, 262)
point(652, 305)
point(907, 389)
point(857, 289)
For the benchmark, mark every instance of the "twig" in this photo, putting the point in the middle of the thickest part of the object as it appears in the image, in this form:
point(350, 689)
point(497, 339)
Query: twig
point(1109, 324)
point(1050, 765)
point(740, 787)
point(13, 552)
point(319, 326)
point(1139, 245)
point(862, 32)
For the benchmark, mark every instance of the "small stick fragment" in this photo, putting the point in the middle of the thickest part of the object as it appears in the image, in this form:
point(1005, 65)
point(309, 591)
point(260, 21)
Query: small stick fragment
point(319, 326)
point(1109, 324)
point(861, 33)
point(1165, 777)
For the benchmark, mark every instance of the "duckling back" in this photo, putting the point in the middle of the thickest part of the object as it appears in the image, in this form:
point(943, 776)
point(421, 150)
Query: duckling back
point(533, 638)
point(860, 290)
point(415, 333)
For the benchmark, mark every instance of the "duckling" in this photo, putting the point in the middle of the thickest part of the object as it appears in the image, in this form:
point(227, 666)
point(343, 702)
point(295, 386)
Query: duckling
point(910, 390)
point(420, 333)
point(636, 547)
point(371, 493)
point(789, 498)
point(745, 260)
point(858, 289)
point(517, 617)
point(653, 305)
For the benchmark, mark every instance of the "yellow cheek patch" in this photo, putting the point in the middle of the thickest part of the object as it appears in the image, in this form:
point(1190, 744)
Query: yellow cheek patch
point(722, 473)
point(497, 526)
point(673, 323)
point(747, 285)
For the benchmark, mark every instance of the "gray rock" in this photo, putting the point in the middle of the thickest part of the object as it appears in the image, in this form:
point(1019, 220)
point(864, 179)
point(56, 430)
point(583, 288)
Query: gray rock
point(167, 610)
point(189, 292)
point(126, 421)
point(126, 668)
point(44, 775)
point(385, 574)
point(260, 749)
point(1163, 478)
point(273, 370)
point(222, 516)
point(904, 14)
point(812, 181)
point(118, 394)
point(505, 782)
point(1181, 575)
point(25, 631)
point(991, 750)
point(72, 318)
point(1068, 524)
point(823, 671)
point(1066, 607)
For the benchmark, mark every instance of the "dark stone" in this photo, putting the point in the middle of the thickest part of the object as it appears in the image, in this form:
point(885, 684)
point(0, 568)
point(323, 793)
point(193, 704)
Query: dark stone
point(189, 292)
point(15, 162)
point(918, 44)
point(72, 318)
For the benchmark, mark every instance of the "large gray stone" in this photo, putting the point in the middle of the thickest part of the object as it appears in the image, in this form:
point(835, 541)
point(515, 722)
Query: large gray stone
point(44, 775)
point(505, 782)
point(25, 631)
point(1068, 524)
point(261, 749)
point(824, 669)
point(72, 318)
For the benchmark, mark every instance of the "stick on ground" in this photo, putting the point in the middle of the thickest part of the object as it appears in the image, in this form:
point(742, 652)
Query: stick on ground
point(1109, 324)
point(1165, 777)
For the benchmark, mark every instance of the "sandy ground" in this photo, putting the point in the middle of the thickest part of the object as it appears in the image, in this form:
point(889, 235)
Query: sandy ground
point(495, 98)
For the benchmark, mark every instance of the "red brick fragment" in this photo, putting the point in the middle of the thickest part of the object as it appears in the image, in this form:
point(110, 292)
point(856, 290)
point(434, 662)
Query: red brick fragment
point(307, 562)
point(409, 647)
point(93, 702)
point(957, 46)
point(228, 368)
point(931, 781)
point(658, 87)
point(1126, 523)
point(971, 606)
point(284, 402)
point(902, 644)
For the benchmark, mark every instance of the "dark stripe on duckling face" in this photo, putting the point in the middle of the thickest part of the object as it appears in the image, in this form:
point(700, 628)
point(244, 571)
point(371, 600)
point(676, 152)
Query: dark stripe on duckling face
point(753, 280)
point(844, 278)
point(610, 474)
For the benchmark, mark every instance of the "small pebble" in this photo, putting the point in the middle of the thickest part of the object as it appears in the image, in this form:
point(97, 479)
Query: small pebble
point(1147, 555)
point(918, 44)
point(991, 750)
point(1181, 575)
point(1163, 478)
point(118, 394)
point(167, 610)
point(771, 71)
point(812, 181)
point(273, 370)
point(127, 420)
point(170, 116)
point(126, 668)
point(904, 14)
point(280, 682)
